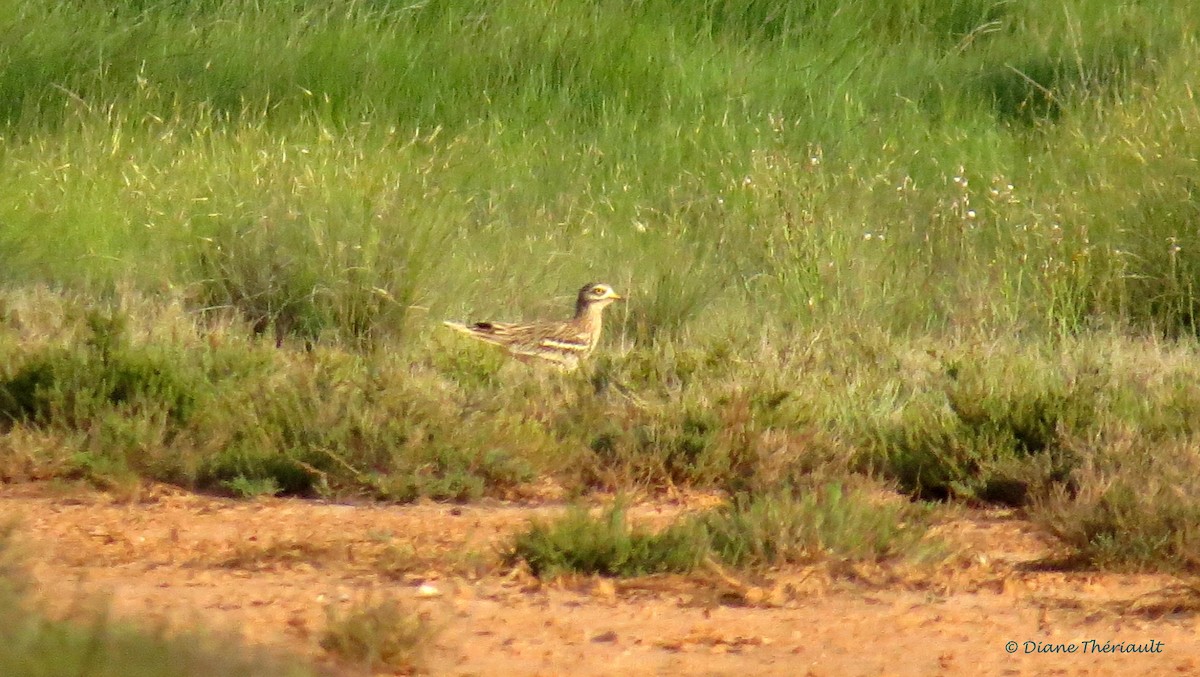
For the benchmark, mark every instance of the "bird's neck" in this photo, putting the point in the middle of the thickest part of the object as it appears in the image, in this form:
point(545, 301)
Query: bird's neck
point(589, 315)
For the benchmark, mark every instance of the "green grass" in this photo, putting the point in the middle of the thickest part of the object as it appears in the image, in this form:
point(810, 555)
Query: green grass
point(824, 522)
point(946, 244)
point(804, 525)
point(606, 545)
point(1132, 509)
point(310, 167)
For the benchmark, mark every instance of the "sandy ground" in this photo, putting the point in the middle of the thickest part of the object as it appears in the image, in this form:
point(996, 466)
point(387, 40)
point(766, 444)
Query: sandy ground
point(269, 570)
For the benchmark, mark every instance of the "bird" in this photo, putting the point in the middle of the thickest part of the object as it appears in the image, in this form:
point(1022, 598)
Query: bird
point(563, 344)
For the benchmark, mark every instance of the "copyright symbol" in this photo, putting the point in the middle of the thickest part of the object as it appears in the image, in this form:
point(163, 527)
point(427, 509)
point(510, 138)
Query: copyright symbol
point(1011, 647)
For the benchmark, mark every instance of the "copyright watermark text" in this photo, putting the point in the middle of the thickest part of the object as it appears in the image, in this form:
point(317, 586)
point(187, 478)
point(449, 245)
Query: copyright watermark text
point(1087, 646)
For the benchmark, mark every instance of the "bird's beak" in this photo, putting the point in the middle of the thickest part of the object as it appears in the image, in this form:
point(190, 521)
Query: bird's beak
point(616, 297)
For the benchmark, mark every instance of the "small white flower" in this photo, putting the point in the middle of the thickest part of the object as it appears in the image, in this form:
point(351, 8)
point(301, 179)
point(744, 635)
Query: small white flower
point(970, 213)
point(746, 181)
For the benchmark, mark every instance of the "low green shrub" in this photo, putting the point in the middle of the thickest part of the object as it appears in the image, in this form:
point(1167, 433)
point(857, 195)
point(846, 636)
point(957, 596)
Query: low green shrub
point(1132, 507)
point(579, 542)
point(812, 524)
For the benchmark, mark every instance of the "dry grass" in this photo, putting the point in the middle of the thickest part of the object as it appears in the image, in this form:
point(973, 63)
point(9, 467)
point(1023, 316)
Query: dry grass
point(379, 635)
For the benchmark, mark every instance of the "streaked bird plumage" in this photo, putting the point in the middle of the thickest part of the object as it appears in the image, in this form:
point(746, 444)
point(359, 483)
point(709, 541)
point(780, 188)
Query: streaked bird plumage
point(561, 343)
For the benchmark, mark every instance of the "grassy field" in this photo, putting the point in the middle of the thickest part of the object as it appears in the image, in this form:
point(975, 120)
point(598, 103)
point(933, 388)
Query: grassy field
point(950, 246)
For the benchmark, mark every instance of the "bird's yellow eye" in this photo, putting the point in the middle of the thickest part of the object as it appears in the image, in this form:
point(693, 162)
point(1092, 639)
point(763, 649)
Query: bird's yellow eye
point(599, 291)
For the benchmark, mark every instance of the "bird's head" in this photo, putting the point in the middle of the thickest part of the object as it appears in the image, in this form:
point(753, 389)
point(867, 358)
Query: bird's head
point(595, 295)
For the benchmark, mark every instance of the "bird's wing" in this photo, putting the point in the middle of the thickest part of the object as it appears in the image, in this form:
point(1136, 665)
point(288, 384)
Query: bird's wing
point(566, 337)
point(562, 343)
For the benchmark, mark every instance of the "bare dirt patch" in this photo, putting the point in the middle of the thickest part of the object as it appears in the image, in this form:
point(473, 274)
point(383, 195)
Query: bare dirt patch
point(268, 569)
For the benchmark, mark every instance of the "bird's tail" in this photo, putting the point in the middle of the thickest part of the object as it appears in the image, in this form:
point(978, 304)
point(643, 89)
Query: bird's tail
point(459, 327)
point(474, 332)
